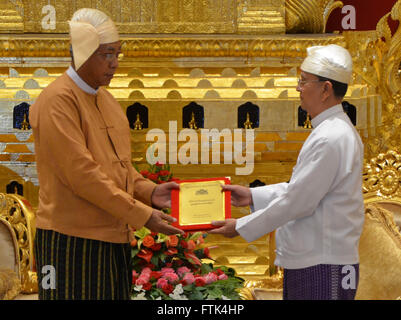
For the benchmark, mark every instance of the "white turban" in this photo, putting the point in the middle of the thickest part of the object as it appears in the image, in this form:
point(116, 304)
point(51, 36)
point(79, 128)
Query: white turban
point(90, 28)
point(332, 62)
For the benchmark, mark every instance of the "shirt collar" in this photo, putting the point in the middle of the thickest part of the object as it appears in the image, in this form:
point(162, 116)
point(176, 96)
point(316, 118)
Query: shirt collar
point(326, 114)
point(79, 82)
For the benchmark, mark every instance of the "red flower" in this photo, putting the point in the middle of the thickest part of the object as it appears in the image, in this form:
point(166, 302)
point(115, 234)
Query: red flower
point(145, 173)
point(199, 282)
point(219, 272)
point(191, 245)
point(156, 247)
point(164, 172)
point(147, 286)
point(206, 252)
point(167, 289)
point(159, 164)
point(183, 244)
point(134, 242)
point(145, 254)
point(192, 258)
point(172, 241)
point(171, 251)
point(148, 241)
point(155, 274)
point(153, 176)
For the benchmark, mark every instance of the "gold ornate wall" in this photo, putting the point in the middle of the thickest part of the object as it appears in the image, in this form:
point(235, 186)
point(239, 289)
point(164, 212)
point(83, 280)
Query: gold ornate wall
point(175, 16)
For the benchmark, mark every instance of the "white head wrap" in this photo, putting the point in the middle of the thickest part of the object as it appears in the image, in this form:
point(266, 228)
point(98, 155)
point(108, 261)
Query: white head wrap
point(332, 62)
point(90, 28)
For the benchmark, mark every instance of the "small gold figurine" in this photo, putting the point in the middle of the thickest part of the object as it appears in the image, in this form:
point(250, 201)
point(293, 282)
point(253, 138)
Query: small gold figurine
point(192, 123)
point(248, 123)
point(307, 123)
point(138, 123)
point(24, 124)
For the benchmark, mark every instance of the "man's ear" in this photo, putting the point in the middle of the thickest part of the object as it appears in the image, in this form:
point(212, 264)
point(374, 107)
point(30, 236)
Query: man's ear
point(327, 89)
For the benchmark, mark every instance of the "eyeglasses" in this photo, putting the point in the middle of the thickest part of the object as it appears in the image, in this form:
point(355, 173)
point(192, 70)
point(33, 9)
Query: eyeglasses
point(301, 82)
point(110, 57)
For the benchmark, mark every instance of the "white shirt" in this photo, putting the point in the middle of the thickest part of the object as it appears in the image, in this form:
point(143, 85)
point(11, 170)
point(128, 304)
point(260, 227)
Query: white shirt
point(79, 82)
point(319, 214)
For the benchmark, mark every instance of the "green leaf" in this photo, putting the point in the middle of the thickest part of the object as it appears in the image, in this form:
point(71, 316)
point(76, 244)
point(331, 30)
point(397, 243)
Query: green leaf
point(155, 260)
point(206, 268)
point(142, 233)
point(161, 238)
point(195, 236)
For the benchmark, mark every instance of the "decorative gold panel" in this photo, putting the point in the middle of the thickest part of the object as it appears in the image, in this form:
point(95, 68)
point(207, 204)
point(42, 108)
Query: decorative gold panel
point(20, 216)
point(175, 16)
point(377, 59)
point(169, 46)
point(309, 16)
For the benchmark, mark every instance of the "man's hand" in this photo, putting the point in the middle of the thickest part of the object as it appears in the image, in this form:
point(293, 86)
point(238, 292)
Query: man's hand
point(161, 196)
point(227, 228)
point(158, 223)
point(240, 196)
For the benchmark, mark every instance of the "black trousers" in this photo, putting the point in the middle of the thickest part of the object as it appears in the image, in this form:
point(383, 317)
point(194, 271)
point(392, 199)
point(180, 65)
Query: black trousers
point(73, 268)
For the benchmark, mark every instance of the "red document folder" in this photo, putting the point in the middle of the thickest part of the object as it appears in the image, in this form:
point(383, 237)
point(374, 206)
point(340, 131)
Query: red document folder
point(175, 205)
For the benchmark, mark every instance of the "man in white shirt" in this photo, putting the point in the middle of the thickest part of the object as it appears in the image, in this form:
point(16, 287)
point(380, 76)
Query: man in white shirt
point(318, 215)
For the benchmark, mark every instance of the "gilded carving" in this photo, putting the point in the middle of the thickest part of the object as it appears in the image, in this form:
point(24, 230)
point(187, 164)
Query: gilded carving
point(177, 16)
point(377, 59)
point(309, 16)
point(22, 219)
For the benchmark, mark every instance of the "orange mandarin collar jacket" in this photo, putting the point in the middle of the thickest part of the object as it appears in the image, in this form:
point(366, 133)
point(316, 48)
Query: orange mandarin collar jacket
point(88, 187)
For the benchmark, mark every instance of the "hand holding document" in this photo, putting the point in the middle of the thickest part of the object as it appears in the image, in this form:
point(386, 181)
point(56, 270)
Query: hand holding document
point(199, 202)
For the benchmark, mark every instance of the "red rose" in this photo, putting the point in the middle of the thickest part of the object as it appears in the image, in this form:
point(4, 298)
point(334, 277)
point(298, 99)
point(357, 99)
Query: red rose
point(147, 286)
point(159, 164)
point(148, 241)
point(167, 289)
point(145, 254)
point(199, 282)
point(172, 241)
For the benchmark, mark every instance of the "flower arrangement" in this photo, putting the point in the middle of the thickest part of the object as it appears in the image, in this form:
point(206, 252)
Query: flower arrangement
point(171, 267)
point(158, 173)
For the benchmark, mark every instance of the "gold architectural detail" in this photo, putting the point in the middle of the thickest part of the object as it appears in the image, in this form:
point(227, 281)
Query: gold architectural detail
point(177, 16)
point(382, 176)
point(309, 16)
point(18, 213)
point(308, 122)
point(192, 123)
point(24, 124)
point(175, 47)
point(10, 20)
point(261, 16)
point(377, 59)
point(138, 123)
point(248, 123)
